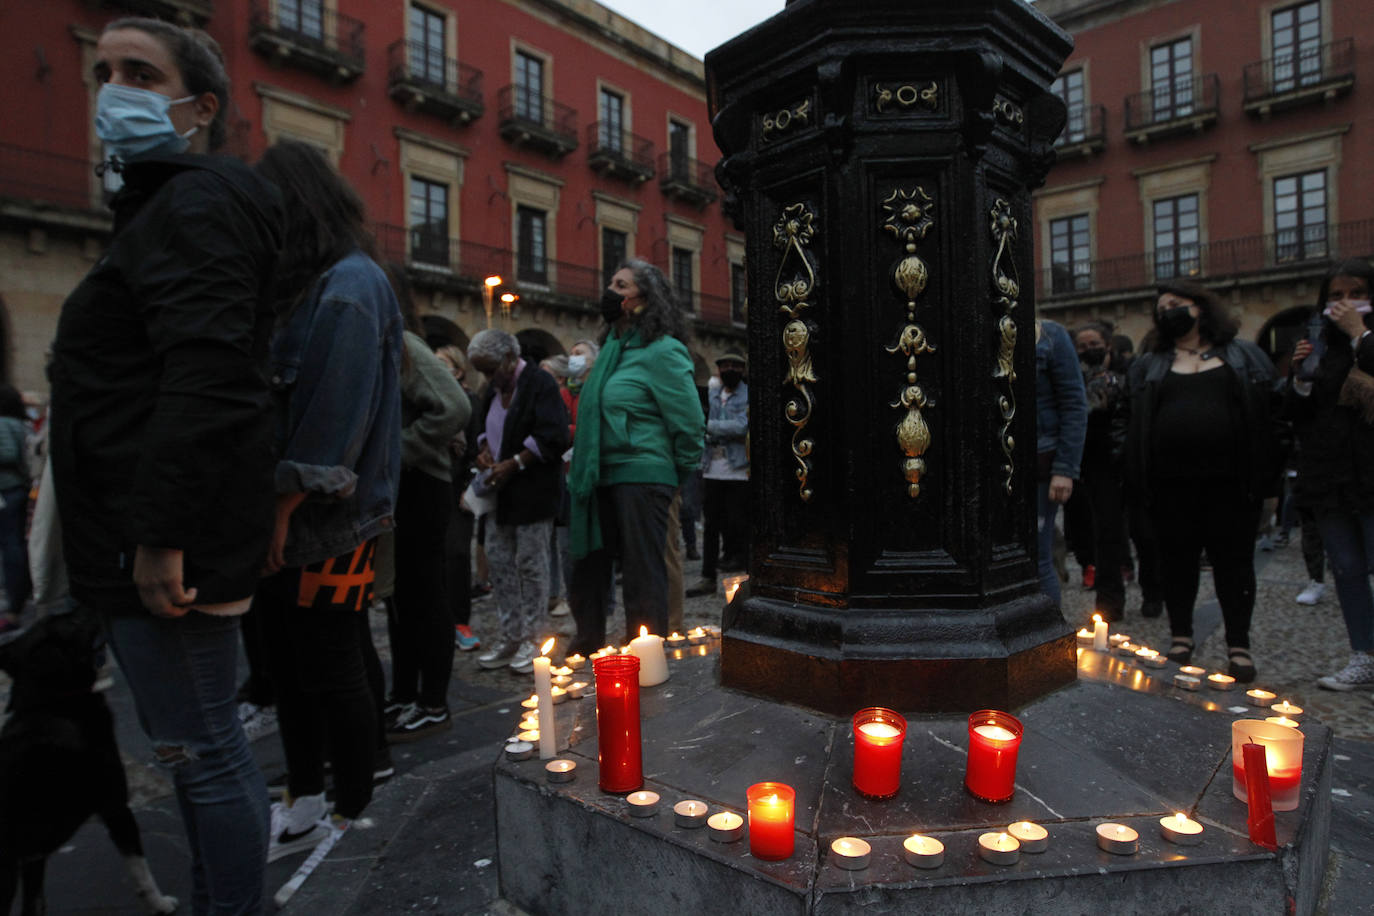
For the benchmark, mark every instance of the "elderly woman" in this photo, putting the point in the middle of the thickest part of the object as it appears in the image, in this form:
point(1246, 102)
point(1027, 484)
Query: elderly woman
point(638, 439)
point(1201, 451)
point(525, 432)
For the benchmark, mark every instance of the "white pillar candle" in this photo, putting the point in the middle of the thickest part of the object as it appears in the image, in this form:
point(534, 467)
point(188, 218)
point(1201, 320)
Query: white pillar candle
point(923, 851)
point(726, 826)
point(653, 664)
point(1118, 839)
point(690, 813)
point(560, 771)
point(1099, 633)
point(642, 803)
point(543, 689)
point(1181, 830)
point(999, 848)
point(851, 853)
point(1032, 837)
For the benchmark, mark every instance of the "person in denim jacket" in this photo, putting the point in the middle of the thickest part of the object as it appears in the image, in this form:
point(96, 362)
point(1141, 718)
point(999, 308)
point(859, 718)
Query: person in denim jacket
point(1061, 412)
point(725, 473)
point(336, 361)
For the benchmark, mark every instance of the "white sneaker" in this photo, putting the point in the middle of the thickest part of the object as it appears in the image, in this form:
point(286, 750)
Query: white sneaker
point(1359, 672)
point(522, 662)
point(1313, 593)
point(260, 724)
point(298, 826)
point(561, 609)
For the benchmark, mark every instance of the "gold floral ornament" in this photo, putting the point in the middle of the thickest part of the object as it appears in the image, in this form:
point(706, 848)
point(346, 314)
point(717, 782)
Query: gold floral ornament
point(909, 95)
point(794, 116)
point(909, 219)
point(792, 288)
point(1008, 288)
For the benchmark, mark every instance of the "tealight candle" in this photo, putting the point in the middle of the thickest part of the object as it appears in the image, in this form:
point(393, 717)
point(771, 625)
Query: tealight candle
point(529, 734)
point(1181, 830)
point(1126, 649)
point(675, 640)
point(561, 671)
point(1220, 681)
point(999, 848)
point(1193, 670)
point(577, 689)
point(575, 661)
point(1150, 658)
point(1032, 837)
point(1187, 682)
point(519, 750)
point(690, 814)
point(1260, 698)
point(851, 853)
point(771, 813)
point(731, 585)
point(562, 680)
point(529, 723)
point(559, 695)
point(726, 826)
point(696, 636)
point(1100, 637)
point(642, 803)
point(560, 770)
point(531, 703)
point(1118, 839)
point(923, 851)
point(1085, 637)
point(1117, 639)
point(1286, 708)
point(1283, 720)
point(712, 631)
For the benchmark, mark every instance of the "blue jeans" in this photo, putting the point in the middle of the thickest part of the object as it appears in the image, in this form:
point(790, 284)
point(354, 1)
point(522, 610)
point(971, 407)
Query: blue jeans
point(1049, 579)
point(182, 673)
point(1349, 541)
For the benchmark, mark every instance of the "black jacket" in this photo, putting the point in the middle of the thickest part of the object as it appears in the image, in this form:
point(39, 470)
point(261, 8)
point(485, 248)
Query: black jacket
point(161, 426)
point(1258, 455)
point(537, 410)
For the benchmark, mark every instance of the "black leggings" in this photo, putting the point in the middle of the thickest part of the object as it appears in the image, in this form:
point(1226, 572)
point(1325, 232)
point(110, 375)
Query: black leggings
point(1216, 515)
point(421, 618)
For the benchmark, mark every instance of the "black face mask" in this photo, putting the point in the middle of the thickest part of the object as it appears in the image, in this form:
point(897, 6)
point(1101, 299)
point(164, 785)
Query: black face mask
point(612, 306)
point(1093, 356)
point(1175, 322)
point(731, 378)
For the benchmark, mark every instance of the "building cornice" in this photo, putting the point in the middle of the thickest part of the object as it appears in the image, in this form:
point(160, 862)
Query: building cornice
point(1068, 188)
point(1295, 139)
point(285, 96)
point(414, 136)
point(1172, 166)
point(524, 171)
point(616, 201)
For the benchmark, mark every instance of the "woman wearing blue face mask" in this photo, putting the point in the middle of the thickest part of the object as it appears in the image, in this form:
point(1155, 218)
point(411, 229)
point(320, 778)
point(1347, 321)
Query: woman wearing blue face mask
point(1333, 416)
point(161, 435)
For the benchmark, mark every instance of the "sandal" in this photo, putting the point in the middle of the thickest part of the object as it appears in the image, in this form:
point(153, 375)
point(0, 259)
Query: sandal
point(1242, 666)
point(1182, 650)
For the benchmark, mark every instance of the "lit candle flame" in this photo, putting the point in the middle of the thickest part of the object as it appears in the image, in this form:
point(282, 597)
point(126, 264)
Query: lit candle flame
point(1097, 618)
point(548, 646)
point(643, 631)
point(1180, 817)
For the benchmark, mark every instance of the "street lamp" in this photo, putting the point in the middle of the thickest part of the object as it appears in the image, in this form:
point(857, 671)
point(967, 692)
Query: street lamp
point(488, 288)
point(507, 300)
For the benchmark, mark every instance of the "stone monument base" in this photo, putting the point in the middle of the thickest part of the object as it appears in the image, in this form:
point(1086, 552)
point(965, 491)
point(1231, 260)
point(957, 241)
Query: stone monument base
point(1119, 746)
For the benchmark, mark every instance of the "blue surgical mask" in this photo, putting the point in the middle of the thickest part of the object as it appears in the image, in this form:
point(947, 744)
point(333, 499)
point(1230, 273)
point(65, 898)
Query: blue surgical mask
point(577, 364)
point(134, 122)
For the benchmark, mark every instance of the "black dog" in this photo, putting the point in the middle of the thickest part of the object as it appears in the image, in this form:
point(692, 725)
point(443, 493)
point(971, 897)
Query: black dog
point(59, 762)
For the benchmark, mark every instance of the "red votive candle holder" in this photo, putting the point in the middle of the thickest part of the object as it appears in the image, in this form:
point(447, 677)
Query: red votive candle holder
point(1283, 749)
point(878, 737)
point(772, 814)
point(993, 740)
point(619, 754)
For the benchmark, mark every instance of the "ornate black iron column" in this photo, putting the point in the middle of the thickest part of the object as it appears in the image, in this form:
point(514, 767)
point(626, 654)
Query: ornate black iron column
point(880, 156)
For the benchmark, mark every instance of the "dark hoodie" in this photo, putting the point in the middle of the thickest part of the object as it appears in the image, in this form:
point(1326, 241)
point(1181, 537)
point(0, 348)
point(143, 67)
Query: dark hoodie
point(161, 428)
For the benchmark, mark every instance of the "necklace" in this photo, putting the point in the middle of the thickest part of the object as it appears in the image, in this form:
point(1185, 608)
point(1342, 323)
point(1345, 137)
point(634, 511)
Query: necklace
point(1198, 353)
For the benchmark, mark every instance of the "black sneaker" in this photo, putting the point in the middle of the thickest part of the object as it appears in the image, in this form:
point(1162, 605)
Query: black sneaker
point(481, 591)
point(419, 721)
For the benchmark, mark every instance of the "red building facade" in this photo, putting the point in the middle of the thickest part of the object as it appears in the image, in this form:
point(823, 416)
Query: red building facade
point(1227, 141)
point(538, 141)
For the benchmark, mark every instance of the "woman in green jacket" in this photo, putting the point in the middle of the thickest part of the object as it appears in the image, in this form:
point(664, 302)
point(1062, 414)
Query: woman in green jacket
point(639, 436)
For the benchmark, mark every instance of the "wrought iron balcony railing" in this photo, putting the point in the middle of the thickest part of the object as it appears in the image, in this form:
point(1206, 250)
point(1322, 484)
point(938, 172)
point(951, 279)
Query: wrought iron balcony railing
point(306, 34)
point(1308, 75)
point(686, 179)
point(1085, 131)
point(1309, 247)
point(532, 119)
point(1173, 107)
point(184, 12)
point(424, 80)
point(40, 178)
point(619, 153)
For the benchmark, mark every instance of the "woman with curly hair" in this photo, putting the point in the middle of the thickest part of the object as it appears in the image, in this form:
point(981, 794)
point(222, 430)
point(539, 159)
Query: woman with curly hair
point(639, 437)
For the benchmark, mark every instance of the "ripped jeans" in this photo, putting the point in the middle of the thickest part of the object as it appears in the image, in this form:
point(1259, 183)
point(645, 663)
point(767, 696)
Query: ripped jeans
point(182, 673)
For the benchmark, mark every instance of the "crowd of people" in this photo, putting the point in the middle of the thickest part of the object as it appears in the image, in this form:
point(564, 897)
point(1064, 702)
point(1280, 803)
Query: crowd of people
point(253, 437)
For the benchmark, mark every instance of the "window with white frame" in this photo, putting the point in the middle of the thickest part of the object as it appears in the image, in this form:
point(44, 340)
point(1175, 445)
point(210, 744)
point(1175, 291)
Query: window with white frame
point(611, 115)
point(1297, 34)
point(1177, 237)
point(1171, 79)
point(529, 87)
point(1070, 251)
point(304, 17)
point(1300, 216)
point(426, 45)
point(429, 222)
point(1070, 87)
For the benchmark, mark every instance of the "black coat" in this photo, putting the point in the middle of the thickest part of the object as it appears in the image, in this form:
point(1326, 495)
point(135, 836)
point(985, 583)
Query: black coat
point(161, 418)
point(537, 410)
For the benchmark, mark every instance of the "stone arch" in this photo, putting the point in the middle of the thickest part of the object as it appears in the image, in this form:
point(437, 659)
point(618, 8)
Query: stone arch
point(701, 369)
point(537, 344)
point(439, 331)
point(1278, 335)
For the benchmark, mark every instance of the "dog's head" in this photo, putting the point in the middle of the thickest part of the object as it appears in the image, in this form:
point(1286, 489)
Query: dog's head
point(55, 657)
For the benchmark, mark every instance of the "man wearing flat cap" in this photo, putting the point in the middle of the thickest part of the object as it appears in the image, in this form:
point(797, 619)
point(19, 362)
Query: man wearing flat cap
point(725, 474)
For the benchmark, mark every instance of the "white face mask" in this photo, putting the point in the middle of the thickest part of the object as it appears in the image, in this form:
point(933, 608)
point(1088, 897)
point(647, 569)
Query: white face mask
point(1361, 306)
point(135, 122)
point(577, 364)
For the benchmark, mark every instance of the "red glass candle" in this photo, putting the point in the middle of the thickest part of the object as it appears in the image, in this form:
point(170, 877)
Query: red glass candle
point(618, 749)
point(993, 741)
point(771, 817)
point(878, 737)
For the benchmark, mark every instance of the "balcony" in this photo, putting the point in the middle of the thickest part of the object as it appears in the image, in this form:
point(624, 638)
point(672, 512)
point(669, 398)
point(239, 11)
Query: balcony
point(303, 34)
point(537, 122)
point(422, 80)
point(1309, 250)
point(1312, 76)
point(182, 12)
point(1085, 132)
point(619, 154)
point(1181, 107)
point(686, 179)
